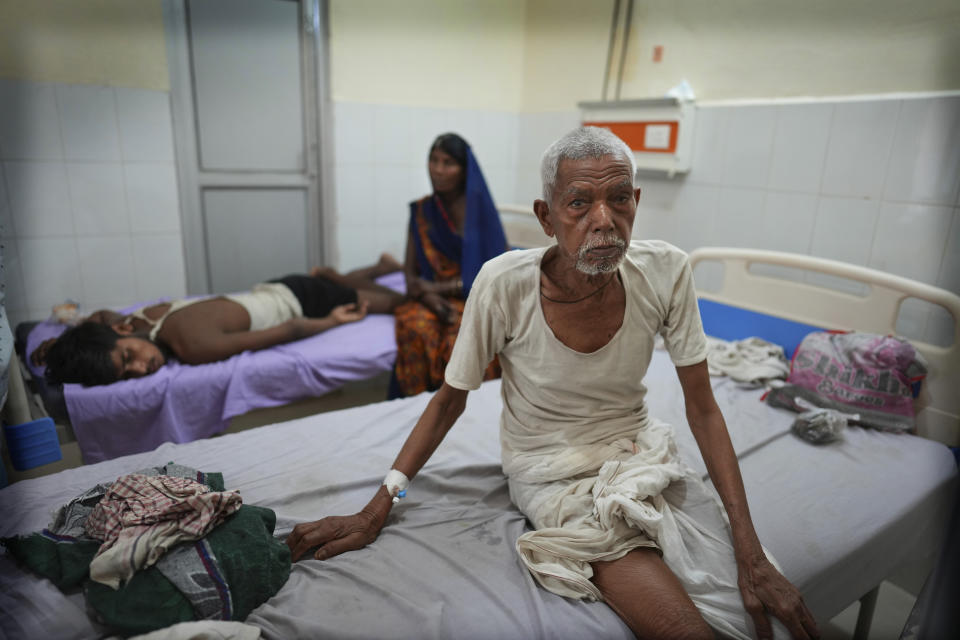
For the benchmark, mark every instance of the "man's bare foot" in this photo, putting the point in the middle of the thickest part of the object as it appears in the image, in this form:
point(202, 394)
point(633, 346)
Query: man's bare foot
point(325, 272)
point(386, 264)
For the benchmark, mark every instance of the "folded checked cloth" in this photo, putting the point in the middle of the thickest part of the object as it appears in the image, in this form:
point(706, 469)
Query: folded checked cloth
point(141, 517)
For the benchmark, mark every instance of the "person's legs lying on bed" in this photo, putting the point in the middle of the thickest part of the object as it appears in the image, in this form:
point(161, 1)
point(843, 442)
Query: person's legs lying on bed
point(648, 597)
point(380, 299)
point(110, 346)
point(386, 264)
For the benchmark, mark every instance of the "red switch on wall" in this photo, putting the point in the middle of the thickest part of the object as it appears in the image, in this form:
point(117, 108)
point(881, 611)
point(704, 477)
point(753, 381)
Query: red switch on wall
point(657, 53)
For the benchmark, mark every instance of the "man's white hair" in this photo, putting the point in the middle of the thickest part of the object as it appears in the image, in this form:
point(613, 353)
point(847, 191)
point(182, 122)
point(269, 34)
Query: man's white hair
point(584, 142)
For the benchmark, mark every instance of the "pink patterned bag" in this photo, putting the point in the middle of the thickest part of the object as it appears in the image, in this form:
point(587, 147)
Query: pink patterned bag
point(872, 375)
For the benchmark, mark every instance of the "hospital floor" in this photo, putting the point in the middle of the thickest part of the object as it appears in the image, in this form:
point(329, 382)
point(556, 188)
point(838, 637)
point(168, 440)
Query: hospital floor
point(894, 605)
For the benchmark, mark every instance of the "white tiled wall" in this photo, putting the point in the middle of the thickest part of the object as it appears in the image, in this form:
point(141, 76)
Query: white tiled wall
point(89, 207)
point(380, 165)
point(536, 132)
point(88, 197)
point(874, 182)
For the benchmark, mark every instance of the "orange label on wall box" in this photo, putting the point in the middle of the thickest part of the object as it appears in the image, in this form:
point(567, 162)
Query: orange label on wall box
point(649, 137)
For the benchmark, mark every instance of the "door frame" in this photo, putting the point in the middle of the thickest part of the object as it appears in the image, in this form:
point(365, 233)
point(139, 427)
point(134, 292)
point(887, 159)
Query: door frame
point(314, 55)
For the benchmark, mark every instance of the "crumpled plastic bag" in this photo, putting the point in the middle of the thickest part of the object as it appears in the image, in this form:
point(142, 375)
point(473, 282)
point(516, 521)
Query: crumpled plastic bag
point(683, 91)
point(821, 426)
point(68, 313)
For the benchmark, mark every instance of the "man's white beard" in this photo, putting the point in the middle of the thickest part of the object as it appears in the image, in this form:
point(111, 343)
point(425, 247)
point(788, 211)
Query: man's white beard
point(607, 265)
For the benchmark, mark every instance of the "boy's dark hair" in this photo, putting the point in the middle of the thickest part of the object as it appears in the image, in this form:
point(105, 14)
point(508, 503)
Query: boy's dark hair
point(453, 145)
point(82, 354)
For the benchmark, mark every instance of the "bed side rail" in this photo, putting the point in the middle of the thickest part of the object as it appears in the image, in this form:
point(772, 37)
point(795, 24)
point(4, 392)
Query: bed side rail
point(938, 407)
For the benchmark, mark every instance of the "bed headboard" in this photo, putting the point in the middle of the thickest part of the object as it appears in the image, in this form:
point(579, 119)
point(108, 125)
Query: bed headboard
point(938, 407)
point(521, 226)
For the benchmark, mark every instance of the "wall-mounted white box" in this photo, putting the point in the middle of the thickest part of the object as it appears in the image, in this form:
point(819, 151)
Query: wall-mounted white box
point(658, 130)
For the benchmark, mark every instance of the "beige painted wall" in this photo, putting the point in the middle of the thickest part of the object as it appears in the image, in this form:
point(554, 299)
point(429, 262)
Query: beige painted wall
point(439, 53)
point(744, 48)
point(109, 42)
point(533, 55)
point(565, 53)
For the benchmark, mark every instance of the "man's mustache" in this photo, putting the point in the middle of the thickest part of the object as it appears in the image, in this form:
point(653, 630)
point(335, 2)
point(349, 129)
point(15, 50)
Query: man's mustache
point(605, 240)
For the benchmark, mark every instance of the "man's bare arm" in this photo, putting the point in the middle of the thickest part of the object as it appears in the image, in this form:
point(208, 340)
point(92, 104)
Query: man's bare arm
point(102, 316)
point(39, 356)
point(197, 347)
point(336, 534)
point(762, 586)
point(105, 316)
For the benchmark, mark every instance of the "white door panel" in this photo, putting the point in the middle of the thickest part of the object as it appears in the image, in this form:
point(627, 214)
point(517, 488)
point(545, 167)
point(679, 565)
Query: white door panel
point(246, 94)
point(251, 234)
point(246, 69)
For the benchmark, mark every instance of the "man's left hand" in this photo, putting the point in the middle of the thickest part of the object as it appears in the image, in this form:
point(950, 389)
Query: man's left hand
point(765, 590)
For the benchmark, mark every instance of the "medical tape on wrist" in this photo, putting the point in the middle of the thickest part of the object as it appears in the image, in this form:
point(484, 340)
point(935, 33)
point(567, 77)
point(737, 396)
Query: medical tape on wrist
point(396, 483)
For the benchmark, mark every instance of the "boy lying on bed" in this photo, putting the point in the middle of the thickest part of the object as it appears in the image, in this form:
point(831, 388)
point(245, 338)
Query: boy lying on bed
point(617, 515)
point(109, 346)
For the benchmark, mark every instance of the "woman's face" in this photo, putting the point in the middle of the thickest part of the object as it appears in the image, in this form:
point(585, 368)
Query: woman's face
point(446, 175)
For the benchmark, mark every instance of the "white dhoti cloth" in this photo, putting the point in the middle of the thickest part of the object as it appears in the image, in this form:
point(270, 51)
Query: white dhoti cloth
point(643, 496)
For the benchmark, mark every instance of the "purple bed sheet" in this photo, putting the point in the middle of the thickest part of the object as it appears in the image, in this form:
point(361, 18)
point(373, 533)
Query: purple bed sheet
point(182, 403)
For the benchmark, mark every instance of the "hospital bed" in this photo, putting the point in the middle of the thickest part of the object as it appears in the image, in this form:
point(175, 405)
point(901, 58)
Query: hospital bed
point(344, 367)
point(181, 403)
point(839, 518)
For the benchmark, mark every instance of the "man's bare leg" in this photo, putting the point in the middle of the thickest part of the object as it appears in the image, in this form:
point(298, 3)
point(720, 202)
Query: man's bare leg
point(380, 299)
point(646, 595)
point(386, 264)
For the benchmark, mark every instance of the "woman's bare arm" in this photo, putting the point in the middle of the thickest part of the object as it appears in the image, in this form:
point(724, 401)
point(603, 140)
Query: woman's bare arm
point(411, 271)
point(418, 287)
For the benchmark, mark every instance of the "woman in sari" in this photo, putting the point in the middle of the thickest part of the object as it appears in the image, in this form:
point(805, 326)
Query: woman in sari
point(451, 234)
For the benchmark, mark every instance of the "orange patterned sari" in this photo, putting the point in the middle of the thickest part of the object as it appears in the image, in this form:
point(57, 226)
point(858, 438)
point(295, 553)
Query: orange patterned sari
point(424, 342)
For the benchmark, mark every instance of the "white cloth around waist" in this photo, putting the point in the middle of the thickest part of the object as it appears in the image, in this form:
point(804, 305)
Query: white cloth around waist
point(641, 496)
point(269, 304)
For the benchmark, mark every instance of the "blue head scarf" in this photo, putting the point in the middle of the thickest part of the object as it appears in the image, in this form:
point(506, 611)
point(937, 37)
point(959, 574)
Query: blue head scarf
point(483, 236)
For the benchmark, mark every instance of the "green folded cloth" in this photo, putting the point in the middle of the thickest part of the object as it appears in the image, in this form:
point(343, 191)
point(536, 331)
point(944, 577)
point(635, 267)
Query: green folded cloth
point(251, 562)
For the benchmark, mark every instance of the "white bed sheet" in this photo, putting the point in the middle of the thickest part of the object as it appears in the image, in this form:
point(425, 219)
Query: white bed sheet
point(837, 518)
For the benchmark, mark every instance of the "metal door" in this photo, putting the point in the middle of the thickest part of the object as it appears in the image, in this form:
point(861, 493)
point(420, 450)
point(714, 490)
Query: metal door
point(246, 93)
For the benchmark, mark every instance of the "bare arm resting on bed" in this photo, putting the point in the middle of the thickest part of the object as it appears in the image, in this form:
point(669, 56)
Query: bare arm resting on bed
point(336, 534)
point(764, 589)
point(195, 343)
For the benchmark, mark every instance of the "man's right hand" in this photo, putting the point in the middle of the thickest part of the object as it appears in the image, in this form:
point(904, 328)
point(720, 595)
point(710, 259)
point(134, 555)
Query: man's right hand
point(39, 356)
point(336, 534)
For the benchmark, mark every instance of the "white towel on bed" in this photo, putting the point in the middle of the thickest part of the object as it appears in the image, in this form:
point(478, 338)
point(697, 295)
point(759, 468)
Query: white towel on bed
point(752, 360)
point(641, 496)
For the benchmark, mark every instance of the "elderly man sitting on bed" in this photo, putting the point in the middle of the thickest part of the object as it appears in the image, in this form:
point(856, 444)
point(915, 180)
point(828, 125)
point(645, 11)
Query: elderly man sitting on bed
point(617, 515)
point(109, 346)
